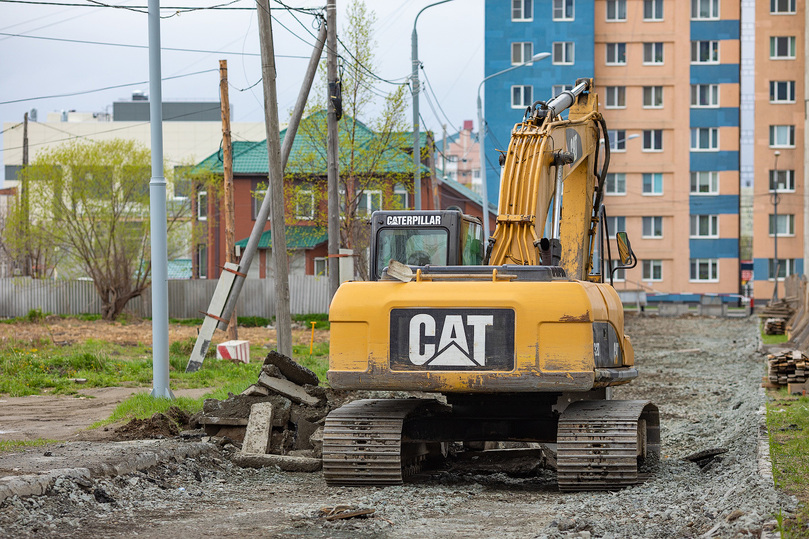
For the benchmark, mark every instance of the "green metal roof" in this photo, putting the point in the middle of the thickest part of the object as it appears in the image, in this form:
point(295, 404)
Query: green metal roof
point(298, 237)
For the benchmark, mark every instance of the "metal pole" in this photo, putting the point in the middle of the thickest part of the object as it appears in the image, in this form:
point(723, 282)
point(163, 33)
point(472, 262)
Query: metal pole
point(157, 211)
point(774, 195)
point(333, 154)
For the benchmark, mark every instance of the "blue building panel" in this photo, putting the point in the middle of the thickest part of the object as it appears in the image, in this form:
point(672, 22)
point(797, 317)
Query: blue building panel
point(713, 248)
point(714, 205)
point(715, 74)
point(715, 30)
point(709, 161)
point(761, 268)
point(719, 117)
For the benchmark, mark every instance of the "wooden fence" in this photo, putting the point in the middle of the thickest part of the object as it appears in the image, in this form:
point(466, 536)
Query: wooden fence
point(187, 298)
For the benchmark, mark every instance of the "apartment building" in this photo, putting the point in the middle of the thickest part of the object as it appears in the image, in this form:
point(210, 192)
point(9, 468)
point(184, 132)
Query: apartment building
point(460, 159)
point(668, 77)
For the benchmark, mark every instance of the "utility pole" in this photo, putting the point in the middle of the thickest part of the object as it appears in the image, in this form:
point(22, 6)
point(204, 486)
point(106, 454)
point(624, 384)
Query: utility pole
point(332, 151)
point(283, 320)
point(444, 152)
point(227, 158)
point(26, 203)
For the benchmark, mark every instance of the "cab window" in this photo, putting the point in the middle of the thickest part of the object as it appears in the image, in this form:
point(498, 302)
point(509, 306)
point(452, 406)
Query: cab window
point(415, 247)
point(471, 243)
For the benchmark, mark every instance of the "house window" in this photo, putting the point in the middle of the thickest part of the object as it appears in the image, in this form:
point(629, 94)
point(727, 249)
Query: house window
point(704, 9)
point(705, 139)
point(522, 10)
point(615, 224)
point(202, 261)
point(652, 10)
point(616, 97)
point(782, 136)
point(399, 198)
point(521, 52)
point(782, 6)
point(617, 140)
point(615, 184)
point(704, 183)
point(782, 48)
point(370, 201)
point(563, 10)
point(257, 199)
point(305, 204)
point(704, 226)
point(652, 53)
point(321, 265)
point(563, 52)
point(652, 140)
point(653, 97)
point(616, 10)
point(704, 52)
point(619, 275)
point(704, 95)
point(704, 269)
point(785, 267)
point(559, 88)
point(653, 183)
point(521, 96)
point(652, 227)
point(616, 54)
point(652, 270)
point(785, 224)
point(782, 91)
point(202, 206)
point(785, 182)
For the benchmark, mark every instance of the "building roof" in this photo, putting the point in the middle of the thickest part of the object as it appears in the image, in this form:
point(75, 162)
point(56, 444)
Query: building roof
point(180, 268)
point(467, 193)
point(298, 237)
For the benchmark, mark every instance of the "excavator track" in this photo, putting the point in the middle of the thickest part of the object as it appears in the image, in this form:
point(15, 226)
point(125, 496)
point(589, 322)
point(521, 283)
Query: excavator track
point(362, 443)
point(600, 444)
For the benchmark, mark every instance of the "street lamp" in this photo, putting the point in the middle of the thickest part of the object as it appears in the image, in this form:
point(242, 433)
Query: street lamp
point(774, 196)
point(482, 139)
point(414, 56)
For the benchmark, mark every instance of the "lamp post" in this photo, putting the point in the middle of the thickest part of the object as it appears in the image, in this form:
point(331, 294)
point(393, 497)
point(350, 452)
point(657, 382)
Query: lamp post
point(414, 56)
point(774, 196)
point(482, 139)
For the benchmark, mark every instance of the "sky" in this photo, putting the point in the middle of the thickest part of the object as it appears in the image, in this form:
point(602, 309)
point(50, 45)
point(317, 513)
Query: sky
point(44, 54)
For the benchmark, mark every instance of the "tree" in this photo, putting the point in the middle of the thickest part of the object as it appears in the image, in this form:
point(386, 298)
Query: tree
point(88, 215)
point(373, 168)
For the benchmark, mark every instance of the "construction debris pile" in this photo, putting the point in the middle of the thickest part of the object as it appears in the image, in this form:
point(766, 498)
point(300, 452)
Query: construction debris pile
point(776, 314)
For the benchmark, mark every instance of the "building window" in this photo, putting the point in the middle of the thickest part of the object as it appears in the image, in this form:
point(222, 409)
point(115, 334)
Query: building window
point(615, 183)
point(782, 48)
point(615, 224)
point(521, 52)
point(653, 183)
point(704, 9)
point(785, 267)
point(619, 275)
point(559, 88)
point(704, 52)
point(704, 183)
point(321, 265)
point(399, 198)
point(705, 139)
point(616, 54)
point(782, 7)
point(202, 206)
point(782, 136)
point(652, 227)
point(652, 140)
point(652, 270)
point(202, 261)
point(521, 96)
point(522, 10)
point(563, 52)
point(652, 10)
point(257, 198)
point(305, 204)
point(704, 95)
point(785, 224)
point(704, 269)
point(653, 97)
point(617, 140)
point(370, 201)
point(784, 183)
point(563, 10)
point(616, 97)
point(704, 226)
point(616, 10)
point(782, 91)
point(652, 53)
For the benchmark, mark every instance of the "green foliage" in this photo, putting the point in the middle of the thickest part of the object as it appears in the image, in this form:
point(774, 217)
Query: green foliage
point(321, 320)
point(193, 322)
point(254, 321)
point(36, 316)
point(15, 445)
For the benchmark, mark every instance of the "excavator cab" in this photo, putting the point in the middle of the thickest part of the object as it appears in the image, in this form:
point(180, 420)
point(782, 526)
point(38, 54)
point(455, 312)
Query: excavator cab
point(422, 238)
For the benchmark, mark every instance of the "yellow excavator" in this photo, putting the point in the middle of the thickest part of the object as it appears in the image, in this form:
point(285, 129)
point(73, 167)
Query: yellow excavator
point(525, 339)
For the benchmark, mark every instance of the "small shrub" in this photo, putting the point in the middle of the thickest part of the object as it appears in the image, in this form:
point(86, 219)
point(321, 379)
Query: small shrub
point(254, 321)
point(35, 316)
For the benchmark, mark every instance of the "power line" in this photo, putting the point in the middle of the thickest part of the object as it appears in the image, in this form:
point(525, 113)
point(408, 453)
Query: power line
point(374, 75)
point(437, 102)
point(218, 7)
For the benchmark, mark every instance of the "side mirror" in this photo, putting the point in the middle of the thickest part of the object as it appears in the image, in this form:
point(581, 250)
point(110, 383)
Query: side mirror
point(624, 249)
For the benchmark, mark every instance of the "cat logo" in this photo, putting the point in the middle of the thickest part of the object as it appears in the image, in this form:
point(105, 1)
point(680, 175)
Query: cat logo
point(453, 347)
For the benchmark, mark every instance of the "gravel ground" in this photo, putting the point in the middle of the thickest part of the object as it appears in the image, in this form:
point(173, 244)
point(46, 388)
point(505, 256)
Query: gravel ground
point(703, 373)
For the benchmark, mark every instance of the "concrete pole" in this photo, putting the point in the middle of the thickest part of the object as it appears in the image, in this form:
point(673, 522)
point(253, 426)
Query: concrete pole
point(157, 213)
point(283, 321)
point(26, 201)
point(227, 166)
point(806, 146)
point(333, 154)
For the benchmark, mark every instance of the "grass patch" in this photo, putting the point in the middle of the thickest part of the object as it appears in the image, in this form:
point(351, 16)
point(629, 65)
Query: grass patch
point(788, 425)
point(16, 445)
point(773, 339)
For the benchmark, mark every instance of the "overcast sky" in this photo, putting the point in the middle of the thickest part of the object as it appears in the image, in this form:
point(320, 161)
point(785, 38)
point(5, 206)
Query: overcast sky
point(41, 57)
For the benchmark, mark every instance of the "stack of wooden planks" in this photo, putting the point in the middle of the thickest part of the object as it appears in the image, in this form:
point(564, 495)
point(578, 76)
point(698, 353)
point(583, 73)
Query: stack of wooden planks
point(775, 326)
point(787, 368)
